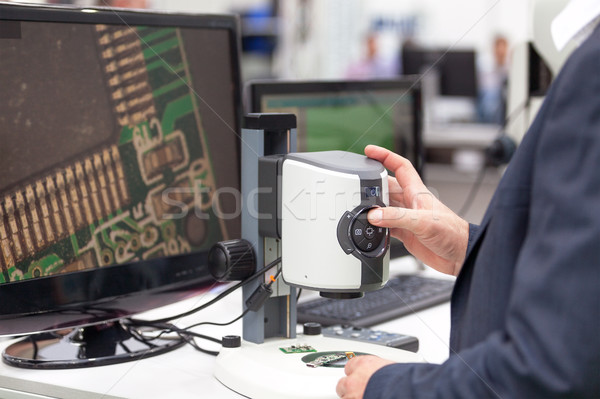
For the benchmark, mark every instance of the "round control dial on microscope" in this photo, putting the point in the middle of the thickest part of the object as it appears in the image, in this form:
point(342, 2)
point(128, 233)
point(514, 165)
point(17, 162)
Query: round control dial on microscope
point(359, 237)
point(364, 235)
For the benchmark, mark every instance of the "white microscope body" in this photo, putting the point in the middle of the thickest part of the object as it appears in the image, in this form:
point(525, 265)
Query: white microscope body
point(327, 243)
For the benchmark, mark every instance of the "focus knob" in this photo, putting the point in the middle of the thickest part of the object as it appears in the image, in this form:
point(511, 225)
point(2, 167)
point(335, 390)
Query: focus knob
point(231, 341)
point(231, 260)
point(312, 328)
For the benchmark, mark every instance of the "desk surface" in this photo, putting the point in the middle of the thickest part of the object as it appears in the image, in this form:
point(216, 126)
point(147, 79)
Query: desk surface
point(460, 135)
point(186, 373)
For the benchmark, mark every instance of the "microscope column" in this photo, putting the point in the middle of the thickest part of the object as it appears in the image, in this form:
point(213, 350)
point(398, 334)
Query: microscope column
point(262, 135)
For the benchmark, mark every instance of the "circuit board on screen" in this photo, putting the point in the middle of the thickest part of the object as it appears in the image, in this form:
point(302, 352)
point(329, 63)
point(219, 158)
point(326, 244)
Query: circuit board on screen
point(123, 174)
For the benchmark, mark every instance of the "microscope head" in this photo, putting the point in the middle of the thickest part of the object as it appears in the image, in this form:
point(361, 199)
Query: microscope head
point(327, 243)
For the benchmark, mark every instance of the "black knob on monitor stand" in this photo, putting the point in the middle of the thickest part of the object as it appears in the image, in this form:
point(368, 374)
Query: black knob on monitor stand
point(231, 260)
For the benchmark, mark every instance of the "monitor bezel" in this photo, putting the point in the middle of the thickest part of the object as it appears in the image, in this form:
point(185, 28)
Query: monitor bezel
point(254, 91)
point(84, 299)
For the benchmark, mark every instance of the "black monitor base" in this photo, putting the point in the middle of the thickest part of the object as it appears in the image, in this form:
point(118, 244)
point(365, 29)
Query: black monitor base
point(91, 346)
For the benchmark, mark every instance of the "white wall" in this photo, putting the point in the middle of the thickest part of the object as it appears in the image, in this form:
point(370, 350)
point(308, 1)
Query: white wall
point(204, 6)
point(338, 29)
point(319, 37)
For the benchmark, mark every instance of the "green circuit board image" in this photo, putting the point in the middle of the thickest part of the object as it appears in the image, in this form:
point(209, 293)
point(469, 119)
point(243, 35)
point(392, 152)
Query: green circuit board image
point(142, 183)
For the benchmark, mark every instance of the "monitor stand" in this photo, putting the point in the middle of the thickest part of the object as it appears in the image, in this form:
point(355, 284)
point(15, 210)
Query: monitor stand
point(96, 345)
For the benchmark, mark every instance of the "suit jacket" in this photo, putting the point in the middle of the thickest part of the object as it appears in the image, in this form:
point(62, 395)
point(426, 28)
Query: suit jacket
point(526, 304)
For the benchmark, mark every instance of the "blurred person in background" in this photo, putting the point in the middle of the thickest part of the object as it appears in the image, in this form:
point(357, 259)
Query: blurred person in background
point(493, 78)
point(373, 64)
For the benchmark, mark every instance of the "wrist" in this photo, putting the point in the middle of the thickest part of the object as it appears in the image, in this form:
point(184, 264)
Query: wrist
point(465, 238)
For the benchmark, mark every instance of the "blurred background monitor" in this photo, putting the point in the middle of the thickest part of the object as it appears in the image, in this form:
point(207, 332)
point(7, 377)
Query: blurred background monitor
point(109, 197)
point(347, 115)
point(456, 69)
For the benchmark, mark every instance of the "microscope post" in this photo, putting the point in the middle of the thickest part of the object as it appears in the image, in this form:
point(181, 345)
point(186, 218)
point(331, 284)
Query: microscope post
point(265, 134)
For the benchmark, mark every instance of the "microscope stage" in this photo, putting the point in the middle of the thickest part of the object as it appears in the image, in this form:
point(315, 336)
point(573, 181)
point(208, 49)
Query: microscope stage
point(266, 371)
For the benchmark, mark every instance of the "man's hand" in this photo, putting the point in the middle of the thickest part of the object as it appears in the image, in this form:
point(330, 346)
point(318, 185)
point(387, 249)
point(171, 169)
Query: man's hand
point(429, 230)
point(358, 371)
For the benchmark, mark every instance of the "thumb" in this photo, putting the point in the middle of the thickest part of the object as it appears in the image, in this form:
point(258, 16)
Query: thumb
point(396, 217)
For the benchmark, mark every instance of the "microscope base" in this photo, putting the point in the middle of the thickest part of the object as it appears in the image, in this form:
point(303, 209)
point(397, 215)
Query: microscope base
point(264, 371)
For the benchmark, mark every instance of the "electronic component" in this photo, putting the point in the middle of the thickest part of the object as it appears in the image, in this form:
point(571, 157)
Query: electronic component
point(326, 360)
point(169, 154)
point(127, 74)
point(299, 348)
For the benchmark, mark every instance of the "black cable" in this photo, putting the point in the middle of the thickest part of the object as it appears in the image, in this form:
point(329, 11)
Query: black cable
point(298, 296)
point(204, 323)
point(165, 328)
point(218, 297)
point(210, 323)
point(184, 333)
point(275, 277)
point(187, 336)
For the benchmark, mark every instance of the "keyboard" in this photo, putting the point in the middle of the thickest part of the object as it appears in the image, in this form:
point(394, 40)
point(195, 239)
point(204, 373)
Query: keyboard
point(402, 295)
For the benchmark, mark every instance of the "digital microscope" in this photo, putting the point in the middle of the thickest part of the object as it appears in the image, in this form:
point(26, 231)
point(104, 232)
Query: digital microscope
point(306, 212)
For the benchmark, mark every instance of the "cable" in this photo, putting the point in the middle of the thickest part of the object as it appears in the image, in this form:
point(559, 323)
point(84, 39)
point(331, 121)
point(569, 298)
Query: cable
point(220, 296)
point(187, 336)
point(210, 323)
point(273, 278)
point(184, 333)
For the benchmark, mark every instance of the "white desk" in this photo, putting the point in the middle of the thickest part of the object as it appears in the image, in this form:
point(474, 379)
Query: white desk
point(461, 135)
point(186, 373)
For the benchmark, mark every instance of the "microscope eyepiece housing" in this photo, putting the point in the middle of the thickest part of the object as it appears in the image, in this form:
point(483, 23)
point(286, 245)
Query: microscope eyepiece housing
point(328, 244)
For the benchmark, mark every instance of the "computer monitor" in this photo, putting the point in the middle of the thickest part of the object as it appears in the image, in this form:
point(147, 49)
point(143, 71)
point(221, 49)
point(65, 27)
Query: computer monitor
point(347, 115)
point(119, 163)
point(456, 69)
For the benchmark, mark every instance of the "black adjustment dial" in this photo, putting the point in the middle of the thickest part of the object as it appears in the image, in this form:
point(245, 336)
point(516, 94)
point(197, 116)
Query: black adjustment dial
point(231, 260)
point(366, 236)
point(231, 341)
point(312, 328)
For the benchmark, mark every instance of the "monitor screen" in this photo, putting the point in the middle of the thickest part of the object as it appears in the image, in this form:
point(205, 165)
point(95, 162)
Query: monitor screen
point(120, 160)
point(456, 69)
point(347, 115)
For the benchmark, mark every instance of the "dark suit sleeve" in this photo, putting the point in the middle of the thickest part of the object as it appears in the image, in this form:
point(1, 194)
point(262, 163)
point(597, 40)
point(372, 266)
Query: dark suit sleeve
point(550, 346)
point(473, 228)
